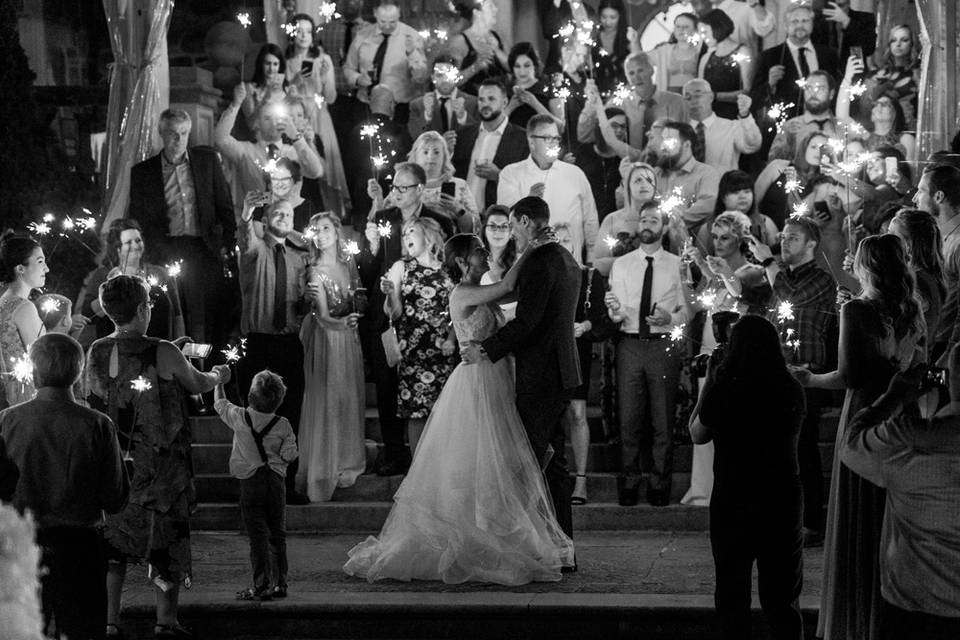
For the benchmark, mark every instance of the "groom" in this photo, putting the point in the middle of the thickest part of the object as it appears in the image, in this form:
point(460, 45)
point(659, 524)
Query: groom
point(542, 340)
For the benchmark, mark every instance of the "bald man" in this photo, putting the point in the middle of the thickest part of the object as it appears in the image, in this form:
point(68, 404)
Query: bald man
point(721, 141)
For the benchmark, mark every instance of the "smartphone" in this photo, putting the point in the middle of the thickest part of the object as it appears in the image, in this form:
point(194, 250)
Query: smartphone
point(306, 67)
point(827, 150)
point(891, 168)
point(857, 51)
point(197, 350)
point(821, 209)
point(448, 188)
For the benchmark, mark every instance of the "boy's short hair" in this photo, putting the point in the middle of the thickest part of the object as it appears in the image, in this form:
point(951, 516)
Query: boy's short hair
point(53, 308)
point(266, 391)
point(57, 360)
point(809, 228)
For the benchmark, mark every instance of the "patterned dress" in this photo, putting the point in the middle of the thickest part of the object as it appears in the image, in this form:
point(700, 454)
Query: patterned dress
point(422, 328)
point(723, 74)
point(12, 350)
point(155, 435)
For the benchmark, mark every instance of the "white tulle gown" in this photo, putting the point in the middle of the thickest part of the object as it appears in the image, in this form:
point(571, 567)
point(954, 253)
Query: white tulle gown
point(474, 506)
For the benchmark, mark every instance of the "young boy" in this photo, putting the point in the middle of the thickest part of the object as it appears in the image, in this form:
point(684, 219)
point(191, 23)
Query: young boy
point(263, 445)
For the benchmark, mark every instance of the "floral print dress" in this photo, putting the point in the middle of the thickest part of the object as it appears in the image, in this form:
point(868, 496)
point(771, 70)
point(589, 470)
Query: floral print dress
point(422, 328)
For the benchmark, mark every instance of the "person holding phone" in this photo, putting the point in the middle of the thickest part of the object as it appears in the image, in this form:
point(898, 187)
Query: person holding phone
point(885, 121)
point(844, 30)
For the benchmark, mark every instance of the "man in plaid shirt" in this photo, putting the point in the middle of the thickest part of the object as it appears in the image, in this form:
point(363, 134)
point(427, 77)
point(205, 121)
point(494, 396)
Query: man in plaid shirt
point(798, 279)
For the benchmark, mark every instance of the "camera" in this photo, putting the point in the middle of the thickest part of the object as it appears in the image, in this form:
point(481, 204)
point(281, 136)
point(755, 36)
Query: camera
point(721, 323)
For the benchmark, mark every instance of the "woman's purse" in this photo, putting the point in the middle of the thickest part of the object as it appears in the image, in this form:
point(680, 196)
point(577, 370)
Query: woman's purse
point(391, 346)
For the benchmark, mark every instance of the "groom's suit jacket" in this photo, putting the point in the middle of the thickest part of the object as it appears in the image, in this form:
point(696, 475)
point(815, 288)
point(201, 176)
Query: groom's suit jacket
point(541, 335)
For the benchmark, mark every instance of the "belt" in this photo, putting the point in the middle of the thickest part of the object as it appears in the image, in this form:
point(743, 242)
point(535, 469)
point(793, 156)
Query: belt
point(647, 338)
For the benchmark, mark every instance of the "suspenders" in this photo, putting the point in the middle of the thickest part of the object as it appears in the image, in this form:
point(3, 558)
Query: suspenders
point(258, 437)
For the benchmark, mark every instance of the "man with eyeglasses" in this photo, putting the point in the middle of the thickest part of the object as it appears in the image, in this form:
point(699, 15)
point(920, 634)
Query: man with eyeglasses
point(563, 186)
point(818, 94)
point(798, 279)
point(382, 247)
point(720, 141)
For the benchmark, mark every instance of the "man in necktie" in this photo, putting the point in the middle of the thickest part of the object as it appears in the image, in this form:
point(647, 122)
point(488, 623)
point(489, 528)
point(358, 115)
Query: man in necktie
point(646, 299)
point(444, 108)
point(272, 284)
point(720, 141)
point(818, 94)
point(392, 54)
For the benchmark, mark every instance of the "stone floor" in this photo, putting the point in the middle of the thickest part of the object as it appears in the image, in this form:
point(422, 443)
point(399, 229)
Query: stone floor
point(610, 563)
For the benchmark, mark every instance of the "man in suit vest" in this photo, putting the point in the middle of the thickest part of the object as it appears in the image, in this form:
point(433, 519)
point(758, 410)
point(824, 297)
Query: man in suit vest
point(182, 201)
point(445, 108)
point(481, 150)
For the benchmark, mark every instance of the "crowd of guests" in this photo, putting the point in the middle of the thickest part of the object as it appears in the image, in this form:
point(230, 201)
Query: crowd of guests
point(755, 234)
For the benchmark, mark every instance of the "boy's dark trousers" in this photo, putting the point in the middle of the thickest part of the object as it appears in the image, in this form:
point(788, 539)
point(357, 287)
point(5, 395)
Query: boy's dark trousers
point(263, 506)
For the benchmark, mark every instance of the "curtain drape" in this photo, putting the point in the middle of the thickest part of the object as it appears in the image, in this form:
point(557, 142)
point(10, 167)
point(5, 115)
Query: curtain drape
point(937, 117)
point(139, 92)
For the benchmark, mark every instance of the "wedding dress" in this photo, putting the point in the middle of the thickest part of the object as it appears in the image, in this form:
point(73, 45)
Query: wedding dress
point(474, 506)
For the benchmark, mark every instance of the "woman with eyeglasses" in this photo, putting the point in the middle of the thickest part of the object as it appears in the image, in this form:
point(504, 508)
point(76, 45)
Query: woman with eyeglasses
point(618, 231)
point(501, 249)
point(886, 120)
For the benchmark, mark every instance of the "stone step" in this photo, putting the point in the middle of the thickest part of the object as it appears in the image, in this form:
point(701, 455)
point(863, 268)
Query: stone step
point(369, 516)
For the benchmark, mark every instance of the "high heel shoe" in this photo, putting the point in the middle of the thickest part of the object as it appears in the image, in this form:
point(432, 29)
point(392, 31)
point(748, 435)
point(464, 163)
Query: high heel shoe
point(579, 496)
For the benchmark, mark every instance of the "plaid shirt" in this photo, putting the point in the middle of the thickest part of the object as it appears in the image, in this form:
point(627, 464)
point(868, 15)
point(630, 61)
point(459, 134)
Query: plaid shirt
point(813, 293)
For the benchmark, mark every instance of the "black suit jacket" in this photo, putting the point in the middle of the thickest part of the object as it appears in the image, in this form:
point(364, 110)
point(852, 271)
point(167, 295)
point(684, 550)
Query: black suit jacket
point(513, 148)
point(787, 90)
point(373, 265)
point(541, 335)
point(214, 206)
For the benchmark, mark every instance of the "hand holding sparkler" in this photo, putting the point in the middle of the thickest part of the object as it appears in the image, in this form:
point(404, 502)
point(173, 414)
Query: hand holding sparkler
point(775, 75)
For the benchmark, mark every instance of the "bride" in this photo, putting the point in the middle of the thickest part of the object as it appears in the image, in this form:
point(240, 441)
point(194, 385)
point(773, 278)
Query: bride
point(474, 506)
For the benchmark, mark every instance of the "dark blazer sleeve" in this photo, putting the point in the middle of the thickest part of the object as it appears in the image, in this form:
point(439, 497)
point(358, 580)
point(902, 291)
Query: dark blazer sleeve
point(466, 139)
point(761, 89)
point(223, 204)
point(534, 284)
point(9, 473)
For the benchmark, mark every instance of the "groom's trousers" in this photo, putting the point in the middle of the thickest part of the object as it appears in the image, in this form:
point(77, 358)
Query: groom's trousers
point(542, 418)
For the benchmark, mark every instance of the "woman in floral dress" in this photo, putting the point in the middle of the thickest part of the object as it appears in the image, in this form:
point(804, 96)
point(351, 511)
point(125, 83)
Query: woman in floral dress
point(418, 290)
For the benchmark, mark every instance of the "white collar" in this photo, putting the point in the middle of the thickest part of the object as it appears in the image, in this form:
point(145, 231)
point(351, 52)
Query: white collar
point(707, 122)
point(499, 130)
point(794, 49)
point(452, 96)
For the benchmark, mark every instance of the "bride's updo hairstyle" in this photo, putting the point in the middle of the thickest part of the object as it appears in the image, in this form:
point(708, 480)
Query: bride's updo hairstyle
point(459, 246)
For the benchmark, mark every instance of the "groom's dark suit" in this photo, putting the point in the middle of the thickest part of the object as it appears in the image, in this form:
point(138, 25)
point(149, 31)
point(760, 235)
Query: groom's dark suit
point(548, 369)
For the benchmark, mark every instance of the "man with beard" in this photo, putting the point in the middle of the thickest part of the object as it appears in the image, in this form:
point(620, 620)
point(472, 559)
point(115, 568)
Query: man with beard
point(480, 150)
point(781, 66)
point(817, 116)
point(679, 173)
point(272, 272)
point(646, 299)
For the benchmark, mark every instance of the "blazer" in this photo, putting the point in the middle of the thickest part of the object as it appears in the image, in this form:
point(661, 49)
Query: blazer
point(214, 206)
point(787, 90)
point(417, 124)
point(513, 148)
point(541, 335)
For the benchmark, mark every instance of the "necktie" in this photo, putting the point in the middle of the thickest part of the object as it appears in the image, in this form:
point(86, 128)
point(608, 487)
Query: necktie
point(700, 151)
point(378, 58)
point(820, 124)
point(279, 288)
point(347, 38)
point(804, 67)
point(645, 298)
point(444, 117)
point(272, 152)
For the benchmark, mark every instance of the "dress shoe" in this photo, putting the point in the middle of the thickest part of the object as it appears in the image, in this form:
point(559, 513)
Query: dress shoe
point(393, 468)
point(812, 538)
point(572, 569)
point(658, 497)
point(297, 499)
point(627, 496)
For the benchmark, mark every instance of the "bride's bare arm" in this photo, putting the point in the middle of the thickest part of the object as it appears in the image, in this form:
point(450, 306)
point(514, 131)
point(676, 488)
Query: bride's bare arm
point(471, 295)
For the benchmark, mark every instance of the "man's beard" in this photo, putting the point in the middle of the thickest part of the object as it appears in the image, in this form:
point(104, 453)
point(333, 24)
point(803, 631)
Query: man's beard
point(668, 161)
point(649, 237)
point(493, 115)
point(816, 107)
point(277, 233)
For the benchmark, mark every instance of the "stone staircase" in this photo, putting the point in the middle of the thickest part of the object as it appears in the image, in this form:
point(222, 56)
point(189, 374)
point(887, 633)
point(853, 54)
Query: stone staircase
point(364, 507)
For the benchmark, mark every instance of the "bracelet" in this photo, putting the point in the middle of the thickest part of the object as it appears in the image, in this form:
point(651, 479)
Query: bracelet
point(766, 263)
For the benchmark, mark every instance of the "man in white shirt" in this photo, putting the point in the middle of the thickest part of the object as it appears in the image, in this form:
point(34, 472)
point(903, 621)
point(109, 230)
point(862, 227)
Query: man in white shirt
point(723, 140)
point(392, 54)
point(482, 149)
point(646, 299)
point(445, 108)
point(564, 186)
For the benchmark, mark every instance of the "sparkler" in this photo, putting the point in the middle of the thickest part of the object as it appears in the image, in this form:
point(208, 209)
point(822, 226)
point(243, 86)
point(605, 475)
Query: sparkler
point(424, 33)
point(87, 224)
point(138, 384)
point(48, 306)
point(384, 229)
point(610, 241)
point(695, 40)
point(708, 300)
point(328, 12)
point(621, 93)
point(792, 186)
point(22, 371)
point(68, 224)
point(778, 114)
point(39, 228)
point(244, 19)
point(802, 83)
point(351, 247)
point(856, 90)
point(49, 217)
point(290, 29)
point(319, 101)
point(676, 333)
point(785, 312)
point(799, 210)
point(174, 269)
point(233, 354)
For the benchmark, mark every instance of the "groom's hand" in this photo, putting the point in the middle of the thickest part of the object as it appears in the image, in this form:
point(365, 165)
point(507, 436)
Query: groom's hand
point(472, 353)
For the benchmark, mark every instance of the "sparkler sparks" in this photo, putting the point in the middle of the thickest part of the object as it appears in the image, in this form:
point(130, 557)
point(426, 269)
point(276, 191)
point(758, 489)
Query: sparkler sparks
point(778, 113)
point(385, 229)
point(232, 354)
point(610, 241)
point(49, 306)
point(319, 101)
point(39, 228)
point(49, 217)
point(740, 58)
point(174, 269)
point(799, 210)
point(87, 224)
point(68, 224)
point(140, 384)
point(792, 186)
point(424, 33)
point(676, 333)
point(351, 247)
point(856, 90)
point(785, 312)
point(621, 93)
point(802, 83)
point(290, 29)
point(22, 369)
point(707, 299)
point(379, 161)
point(328, 12)
point(369, 130)
point(837, 145)
point(553, 152)
point(244, 19)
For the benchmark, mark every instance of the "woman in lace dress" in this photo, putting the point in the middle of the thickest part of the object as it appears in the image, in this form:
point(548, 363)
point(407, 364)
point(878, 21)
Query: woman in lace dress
point(473, 506)
point(23, 268)
point(332, 450)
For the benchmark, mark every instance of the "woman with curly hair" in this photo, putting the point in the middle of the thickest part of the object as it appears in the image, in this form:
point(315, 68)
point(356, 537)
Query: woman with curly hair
point(332, 453)
point(881, 332)
point(897, 73)
point(417, 290)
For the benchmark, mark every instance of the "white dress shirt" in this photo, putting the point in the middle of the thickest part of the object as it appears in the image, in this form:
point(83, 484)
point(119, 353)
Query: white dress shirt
point(626, 283)
point(567, 193)
point(483, 151)
point(726, 139)
point(810, 54)
point(402, 72)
